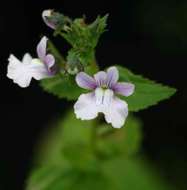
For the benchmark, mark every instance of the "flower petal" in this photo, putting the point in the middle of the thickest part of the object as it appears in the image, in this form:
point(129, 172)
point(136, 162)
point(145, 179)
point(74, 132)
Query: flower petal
point(100, 78)
point(124, 88)
point(112, 76)
point(18, 72)
point(38, 70)
point(85, 108)
point(85, 81)
point(45, 15)
point(99, 95)
point(108, 97)
point(116, 113)
point(41, 48)
point(13, 62)
point(27, 59)
point(49, 61)
point(23, 80)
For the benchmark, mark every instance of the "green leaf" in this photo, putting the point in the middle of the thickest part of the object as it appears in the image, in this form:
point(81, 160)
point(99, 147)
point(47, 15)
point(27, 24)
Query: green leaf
point(147, 92)
point(97, 28)
point(62, 86)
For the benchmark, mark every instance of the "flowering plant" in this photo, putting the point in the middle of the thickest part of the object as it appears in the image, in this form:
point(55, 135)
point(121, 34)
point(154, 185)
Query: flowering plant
point(85, 149)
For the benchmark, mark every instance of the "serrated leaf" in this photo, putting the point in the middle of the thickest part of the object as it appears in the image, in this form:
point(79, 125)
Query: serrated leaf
point(62, 86)
point(97, 28)
point(147, 92)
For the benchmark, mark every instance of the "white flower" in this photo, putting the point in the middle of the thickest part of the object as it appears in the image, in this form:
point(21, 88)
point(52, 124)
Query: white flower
point(103, 100)
point(22, 72)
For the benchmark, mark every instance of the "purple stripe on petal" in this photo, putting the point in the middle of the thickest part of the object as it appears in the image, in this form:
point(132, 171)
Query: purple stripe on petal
point(124, 88)
point(112, 76)
point(85, 81)
point(41, 48)
point(100, 78)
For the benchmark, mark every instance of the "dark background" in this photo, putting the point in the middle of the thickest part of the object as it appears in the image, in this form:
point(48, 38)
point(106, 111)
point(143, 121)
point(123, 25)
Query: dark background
point(149, 37)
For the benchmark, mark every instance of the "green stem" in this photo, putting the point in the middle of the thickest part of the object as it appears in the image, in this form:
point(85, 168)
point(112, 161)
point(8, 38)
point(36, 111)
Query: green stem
point(94, 65)
point(94, 137)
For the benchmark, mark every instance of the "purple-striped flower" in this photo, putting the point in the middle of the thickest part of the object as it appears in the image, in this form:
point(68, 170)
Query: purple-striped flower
point(103, 99)
point(21, 72)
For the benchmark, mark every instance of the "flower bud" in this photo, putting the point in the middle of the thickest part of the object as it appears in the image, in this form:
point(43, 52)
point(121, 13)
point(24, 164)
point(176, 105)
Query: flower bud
point(47, 17)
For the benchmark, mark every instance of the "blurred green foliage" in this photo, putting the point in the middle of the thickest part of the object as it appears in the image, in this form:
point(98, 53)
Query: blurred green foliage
point(89, 155)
